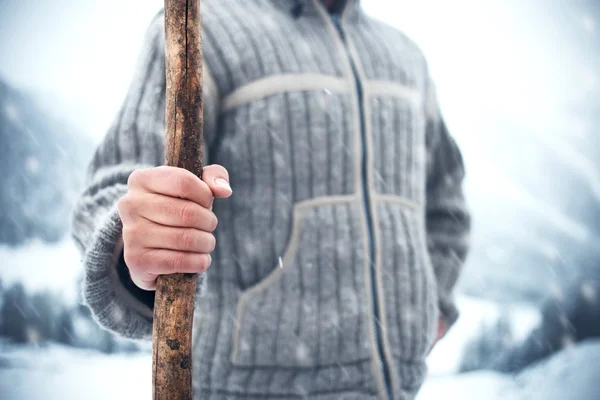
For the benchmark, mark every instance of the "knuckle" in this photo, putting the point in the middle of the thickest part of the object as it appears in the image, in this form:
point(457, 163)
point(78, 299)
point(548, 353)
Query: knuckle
point(176, 263)
point(183, 184)
point(145, 260)
point(135, 177)
point(187, 239)
point(132, 259)
point(187, 214)
point(124, 204)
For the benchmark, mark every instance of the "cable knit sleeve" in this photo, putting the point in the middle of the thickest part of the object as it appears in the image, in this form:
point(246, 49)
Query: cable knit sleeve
point(135, 140)
point(447, 215)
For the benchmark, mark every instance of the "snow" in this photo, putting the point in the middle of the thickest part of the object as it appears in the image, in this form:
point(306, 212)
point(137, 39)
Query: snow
point(62, 373)
point(475, 313)
point(472, 386)
point(69, 374)
point(41, 266)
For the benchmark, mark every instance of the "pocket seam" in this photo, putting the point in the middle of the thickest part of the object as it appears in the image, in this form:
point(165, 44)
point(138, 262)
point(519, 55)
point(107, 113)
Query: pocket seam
point(298, 212)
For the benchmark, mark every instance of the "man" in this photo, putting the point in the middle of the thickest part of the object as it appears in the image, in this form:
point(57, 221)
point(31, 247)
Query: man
point(336, 255)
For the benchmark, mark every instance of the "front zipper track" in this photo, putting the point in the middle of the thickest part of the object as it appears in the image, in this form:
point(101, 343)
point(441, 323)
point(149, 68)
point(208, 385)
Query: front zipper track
point(367, 207)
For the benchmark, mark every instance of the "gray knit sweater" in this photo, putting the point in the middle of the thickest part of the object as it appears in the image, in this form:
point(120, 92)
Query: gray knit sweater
point(347, 228)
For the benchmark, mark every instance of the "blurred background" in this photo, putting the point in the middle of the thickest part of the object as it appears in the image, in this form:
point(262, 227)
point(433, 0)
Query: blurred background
point(519, 85)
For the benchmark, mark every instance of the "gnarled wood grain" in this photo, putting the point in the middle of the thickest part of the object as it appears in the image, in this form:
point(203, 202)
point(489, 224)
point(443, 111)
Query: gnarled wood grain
point(175, 294)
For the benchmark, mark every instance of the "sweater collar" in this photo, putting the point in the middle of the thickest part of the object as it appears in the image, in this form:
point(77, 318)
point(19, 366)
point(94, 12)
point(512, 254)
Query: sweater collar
point(348, 9)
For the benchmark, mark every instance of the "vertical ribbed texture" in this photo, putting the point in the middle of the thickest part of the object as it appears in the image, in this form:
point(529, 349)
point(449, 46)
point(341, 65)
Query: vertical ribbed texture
point(399, 162)
point(448, 219)
point(135, 140)
point(423, 168)
point(302, 331)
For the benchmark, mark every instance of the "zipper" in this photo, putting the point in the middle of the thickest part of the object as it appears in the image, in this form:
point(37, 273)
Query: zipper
point(335, 16)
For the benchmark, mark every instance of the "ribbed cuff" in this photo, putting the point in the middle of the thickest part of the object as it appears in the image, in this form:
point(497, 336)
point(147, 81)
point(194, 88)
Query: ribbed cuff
point(113, 305)
point(144, 296)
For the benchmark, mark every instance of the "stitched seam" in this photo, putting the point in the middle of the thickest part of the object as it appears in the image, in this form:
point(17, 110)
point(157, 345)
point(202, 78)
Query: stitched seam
point(284, 83)
point(305, 368)
point(400, 200)
point(392, 89)
point(298, 213)
point(279, 395)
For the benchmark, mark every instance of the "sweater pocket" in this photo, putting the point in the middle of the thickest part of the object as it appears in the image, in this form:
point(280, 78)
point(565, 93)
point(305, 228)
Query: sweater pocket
point(311, 309)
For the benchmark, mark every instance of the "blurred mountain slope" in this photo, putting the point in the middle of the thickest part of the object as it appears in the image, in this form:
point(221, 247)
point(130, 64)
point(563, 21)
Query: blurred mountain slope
point(42, 159)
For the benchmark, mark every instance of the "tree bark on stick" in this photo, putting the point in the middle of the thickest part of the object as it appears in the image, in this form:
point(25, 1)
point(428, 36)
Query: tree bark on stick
point(175, 294)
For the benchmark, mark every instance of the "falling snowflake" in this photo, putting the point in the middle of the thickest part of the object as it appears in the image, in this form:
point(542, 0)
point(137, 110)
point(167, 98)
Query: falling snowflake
point(333, 319)
point(409, 316)
point(550, 252)
point(556, 292)
point(589, 24)
point(280, 162)
point(568, 341)
point(118, 314)
point(252, 248)
point(306, 308)
point(449, 180)
point(10, 111)
point(280, 262)
point(588, 291)
point(244, 346)
point(350, 301)
point(302, 353)
point(507, 341)
point(564, 320)
point(32, 164)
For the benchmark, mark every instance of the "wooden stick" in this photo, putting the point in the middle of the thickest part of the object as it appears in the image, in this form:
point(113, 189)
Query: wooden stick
point(175, 294)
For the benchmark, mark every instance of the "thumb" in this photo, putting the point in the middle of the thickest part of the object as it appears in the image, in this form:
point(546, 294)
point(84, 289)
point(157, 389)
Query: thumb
point(217, 179)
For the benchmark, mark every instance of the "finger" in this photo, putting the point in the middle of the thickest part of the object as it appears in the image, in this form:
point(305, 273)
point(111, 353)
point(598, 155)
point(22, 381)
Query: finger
point(171, 211)
point(164, 262)
point(217, 178)
point(174, 182)
point(167, 237)
point(441, 330)
point(145, 282)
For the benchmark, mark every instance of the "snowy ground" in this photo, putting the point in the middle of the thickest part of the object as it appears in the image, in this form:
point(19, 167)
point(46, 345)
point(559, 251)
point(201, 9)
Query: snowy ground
point(59, 373)
point(56, 372)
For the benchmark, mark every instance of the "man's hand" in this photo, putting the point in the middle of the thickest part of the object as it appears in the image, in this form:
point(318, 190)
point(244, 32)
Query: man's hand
point(441, 332)
point(168, 221)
